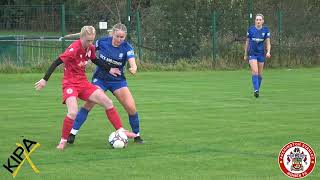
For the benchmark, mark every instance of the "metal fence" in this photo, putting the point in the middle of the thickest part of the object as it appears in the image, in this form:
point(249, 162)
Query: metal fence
point(26, 51)
point(32, 18)
point(194, 31)
point(169, 31)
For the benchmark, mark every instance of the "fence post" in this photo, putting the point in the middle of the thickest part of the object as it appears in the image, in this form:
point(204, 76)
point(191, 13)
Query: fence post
point(280, 34)
point(19, 39)
point(138, 31)
point(63, 26)
point(250, 12)
point(128, 18)
point(214, 34)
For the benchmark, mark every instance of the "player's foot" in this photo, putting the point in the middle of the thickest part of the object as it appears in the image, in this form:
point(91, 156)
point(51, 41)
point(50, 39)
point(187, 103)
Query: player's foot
point(71, 138)
point(256, 93)
point(138, 140)
point(62, 145)
point(130, 134)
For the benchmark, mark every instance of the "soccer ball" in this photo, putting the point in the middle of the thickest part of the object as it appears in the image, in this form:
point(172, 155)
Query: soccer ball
point(118, 140)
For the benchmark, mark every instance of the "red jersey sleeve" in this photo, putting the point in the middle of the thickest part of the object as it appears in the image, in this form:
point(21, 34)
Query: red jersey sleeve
point(68, 54)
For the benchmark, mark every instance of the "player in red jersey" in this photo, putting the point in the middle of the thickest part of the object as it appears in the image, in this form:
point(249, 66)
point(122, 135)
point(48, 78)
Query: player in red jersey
point(75, 84)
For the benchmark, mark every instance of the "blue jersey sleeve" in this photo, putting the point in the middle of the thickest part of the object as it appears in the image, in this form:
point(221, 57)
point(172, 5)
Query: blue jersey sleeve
point(130, 52)
point(268, 35)
point(97, 44)
point(248, 33)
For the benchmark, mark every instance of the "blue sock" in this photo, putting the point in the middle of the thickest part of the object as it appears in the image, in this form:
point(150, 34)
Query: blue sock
point(255, 82)
point(260, 80)
point(134, 123)
point(80, 119)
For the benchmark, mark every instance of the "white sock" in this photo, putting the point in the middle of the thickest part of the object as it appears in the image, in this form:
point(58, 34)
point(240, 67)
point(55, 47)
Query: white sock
point(74, 132)
point(62, 140)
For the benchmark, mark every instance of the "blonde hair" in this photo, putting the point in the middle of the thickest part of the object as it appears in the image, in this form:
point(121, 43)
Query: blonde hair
point(87, 30)
point(119, 27)
point(261, 15)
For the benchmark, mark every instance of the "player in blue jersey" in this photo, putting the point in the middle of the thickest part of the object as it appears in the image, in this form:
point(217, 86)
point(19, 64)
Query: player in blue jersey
point(254, 51)
point(117, 52)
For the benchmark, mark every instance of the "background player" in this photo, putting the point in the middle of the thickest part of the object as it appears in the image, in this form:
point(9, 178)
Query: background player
point(116, 51)
point(257, 35)
point(75, 83)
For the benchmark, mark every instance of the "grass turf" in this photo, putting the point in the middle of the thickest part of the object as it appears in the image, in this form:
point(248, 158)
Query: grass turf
point(197, 125)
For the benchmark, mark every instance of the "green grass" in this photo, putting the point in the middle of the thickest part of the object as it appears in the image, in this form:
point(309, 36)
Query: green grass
point(197, 125)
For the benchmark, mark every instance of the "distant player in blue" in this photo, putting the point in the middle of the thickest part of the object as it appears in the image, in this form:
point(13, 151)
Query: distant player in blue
point(254, 51)
point(117, 52)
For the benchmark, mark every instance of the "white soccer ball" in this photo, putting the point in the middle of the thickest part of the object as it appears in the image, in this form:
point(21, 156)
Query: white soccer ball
point(118, 139)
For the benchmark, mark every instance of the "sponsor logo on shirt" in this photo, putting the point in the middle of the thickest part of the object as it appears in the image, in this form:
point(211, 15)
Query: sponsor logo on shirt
point(88, 54)
point(83, 63)
point(257, 39)
point(111, 61)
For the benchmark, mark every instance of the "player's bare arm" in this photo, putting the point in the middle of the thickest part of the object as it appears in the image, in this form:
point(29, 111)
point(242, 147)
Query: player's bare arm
point(268, 43)
point(246, 49)
point(133, 66)
point(70, 36)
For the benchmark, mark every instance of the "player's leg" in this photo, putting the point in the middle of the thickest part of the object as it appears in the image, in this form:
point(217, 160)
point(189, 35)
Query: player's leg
point(125, 97)
point(261, 60)
point(81, 116)
point(84, 110)
point(80, 119)
point(255, 77)
point(99, 97)
point(260, 71)
point(72, 106)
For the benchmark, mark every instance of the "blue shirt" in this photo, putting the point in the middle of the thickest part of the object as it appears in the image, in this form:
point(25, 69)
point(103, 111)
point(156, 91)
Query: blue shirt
point(115, 56)
point(256, 39)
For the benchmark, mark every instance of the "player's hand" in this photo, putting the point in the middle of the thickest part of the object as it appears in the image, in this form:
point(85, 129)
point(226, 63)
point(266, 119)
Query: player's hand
point(115, 72)
point(245, 57)
point(268, 55)
point(40, 84)
point(133, 70)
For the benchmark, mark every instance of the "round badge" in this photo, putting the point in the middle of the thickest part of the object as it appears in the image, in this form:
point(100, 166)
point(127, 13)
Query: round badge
point(69, 91)
point(297, 159)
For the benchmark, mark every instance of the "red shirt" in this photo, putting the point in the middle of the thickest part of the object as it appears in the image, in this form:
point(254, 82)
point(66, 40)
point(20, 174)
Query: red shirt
point(75, 59)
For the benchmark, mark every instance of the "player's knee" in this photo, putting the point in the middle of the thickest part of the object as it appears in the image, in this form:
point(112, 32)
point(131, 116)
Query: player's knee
point(255, 72)
point(106, 102)
point(131, 110)
point(88, 106)
point(72, 114)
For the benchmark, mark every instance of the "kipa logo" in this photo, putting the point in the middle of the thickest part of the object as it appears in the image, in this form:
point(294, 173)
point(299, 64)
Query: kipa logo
point(19, 155)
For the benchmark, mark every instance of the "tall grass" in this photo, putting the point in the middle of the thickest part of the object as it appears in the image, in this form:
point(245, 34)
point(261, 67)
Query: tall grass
point(220, 63)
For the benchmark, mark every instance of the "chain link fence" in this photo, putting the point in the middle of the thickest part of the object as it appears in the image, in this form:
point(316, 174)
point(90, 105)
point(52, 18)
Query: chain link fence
point(169, 31)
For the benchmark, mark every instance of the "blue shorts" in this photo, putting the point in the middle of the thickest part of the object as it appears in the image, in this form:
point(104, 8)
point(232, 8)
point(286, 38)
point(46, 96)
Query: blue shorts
point(259, 58)
point(109, 85)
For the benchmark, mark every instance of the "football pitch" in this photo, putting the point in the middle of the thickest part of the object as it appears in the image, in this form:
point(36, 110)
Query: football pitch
point(196, 125)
